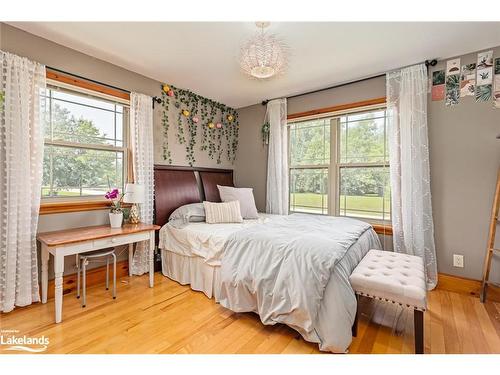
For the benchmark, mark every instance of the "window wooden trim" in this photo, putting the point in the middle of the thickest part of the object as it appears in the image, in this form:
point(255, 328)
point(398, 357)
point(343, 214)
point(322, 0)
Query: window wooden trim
point(334, 167)
point(385, 229)
point(89, 204)
point(337, 108)
point(75, 206)
point(73, 81)
point(48, 208)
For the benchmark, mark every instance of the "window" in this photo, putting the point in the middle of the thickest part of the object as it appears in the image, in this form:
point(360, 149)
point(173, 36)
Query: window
point(309, 161)
point(339, 165)
point(363, 165)
point(85, 144)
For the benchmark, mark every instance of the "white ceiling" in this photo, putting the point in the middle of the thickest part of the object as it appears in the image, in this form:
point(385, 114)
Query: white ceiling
point(203, 56)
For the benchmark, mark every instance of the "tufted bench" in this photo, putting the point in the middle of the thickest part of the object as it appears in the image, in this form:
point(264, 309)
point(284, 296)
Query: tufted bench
point(394, 277)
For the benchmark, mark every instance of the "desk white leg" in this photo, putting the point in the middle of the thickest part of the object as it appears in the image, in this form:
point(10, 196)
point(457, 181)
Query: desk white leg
point(130, 257)
point(58, 282)
point(45, 272)
point(151, 258)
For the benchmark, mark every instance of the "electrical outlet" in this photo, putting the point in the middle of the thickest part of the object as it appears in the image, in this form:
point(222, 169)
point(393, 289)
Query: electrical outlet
point(458, 260)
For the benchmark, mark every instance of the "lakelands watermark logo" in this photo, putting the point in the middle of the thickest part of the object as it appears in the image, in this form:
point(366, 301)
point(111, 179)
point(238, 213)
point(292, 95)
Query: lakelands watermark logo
point(11, 340)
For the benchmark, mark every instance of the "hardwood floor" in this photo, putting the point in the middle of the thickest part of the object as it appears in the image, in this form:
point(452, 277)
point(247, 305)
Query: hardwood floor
point(171, 318)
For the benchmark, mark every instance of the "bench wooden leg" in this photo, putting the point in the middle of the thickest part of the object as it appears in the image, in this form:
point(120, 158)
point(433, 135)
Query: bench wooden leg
point(418, 327)
point(355, 324)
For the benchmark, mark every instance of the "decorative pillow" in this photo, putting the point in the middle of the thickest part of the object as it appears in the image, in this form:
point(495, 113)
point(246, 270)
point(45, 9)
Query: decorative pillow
point(226, 212)
point(242, 195)
point(189, 213)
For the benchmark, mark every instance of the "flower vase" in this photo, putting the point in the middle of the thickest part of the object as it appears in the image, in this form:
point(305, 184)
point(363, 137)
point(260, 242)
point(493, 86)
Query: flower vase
point(116, 219)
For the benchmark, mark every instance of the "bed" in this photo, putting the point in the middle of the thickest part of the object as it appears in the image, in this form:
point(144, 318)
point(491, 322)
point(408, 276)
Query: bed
point(246, 268)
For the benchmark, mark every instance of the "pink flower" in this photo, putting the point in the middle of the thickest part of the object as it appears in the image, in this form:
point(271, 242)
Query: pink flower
point(218, 125)
point(170, 93)
point(113, 194)
point(196, 119)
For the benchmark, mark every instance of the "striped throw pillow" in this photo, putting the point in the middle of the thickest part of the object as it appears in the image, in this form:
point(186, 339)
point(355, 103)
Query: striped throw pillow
point(226, 212)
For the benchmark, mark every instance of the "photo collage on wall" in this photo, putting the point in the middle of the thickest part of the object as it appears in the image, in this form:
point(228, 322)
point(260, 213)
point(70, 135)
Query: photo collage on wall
point(484, 76)
point(452, 82)
point(496, 93)
point(437, 91)
point(480, 80)
point(468, 80)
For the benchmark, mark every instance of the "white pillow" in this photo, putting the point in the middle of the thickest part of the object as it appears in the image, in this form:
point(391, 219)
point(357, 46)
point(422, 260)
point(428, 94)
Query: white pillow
point(189, 213)
point(227, 212)
point(244, 196)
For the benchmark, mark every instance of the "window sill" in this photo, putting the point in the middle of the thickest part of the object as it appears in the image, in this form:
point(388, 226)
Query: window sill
point(378, 226)
point(385, 229)
point(47, 208)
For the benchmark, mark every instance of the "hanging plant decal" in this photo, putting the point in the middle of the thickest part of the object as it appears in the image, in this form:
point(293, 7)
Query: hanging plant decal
point(2, 100)
point(265, 133)
point(219, 125)
point(164, 121)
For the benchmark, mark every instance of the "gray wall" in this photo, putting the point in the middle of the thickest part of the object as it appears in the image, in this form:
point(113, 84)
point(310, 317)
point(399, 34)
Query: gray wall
point(463, 150)
point(251, 161)
point(464, 157)
point(57, 56)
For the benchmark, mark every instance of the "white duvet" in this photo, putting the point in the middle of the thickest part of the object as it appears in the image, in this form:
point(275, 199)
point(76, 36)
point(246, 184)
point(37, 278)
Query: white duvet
point(202, 239)
point(293, 270)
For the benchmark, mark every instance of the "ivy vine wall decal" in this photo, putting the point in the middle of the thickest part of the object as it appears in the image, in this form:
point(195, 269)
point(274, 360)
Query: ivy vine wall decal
point(199, 122)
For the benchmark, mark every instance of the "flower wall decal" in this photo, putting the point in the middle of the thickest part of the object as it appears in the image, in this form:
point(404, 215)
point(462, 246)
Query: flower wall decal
point(218, 124)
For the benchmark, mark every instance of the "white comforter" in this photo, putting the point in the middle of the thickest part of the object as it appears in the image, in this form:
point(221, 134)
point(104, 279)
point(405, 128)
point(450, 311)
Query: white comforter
point(322, 309)
point(280, 270)
point(204, 240)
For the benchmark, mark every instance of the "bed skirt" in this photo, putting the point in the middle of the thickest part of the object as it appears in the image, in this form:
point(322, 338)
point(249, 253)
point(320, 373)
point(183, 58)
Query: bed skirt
point(192, 271)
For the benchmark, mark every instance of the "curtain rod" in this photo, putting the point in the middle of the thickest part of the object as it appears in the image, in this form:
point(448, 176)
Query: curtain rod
point(87, 79)
point(155, 98)
point(428, 63)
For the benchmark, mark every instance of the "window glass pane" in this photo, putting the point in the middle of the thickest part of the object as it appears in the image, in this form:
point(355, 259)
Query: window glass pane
point(69, 172)
point(84, 120)
point(308, 190)
point(310, 142)
point(83, 99)
point(365, 192)
point(47, 114)
point(366, 115)
point(119, 130)
point(342, 139)
point(361, 159)
point(363, 141)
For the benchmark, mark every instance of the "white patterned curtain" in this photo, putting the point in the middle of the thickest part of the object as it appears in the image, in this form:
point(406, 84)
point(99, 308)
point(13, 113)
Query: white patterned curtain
point(277, 161)
point(412, 223)
point(141, 137)
point(22, 86)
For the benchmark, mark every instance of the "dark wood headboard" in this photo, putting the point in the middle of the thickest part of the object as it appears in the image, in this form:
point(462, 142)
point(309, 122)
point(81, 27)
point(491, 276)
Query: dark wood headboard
point(176, 186)
point(210, 180)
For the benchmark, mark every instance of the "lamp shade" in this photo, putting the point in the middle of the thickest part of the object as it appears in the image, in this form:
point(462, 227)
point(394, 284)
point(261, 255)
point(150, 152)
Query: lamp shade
point(134, 193)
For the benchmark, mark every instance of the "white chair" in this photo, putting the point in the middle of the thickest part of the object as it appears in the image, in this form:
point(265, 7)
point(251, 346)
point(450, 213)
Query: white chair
point(82, 263)
point(396, 278)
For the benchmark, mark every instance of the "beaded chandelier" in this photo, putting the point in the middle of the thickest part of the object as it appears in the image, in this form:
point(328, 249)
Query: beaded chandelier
point(264, 56)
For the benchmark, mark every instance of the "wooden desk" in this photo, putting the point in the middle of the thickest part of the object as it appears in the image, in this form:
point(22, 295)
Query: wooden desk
point(81, 240)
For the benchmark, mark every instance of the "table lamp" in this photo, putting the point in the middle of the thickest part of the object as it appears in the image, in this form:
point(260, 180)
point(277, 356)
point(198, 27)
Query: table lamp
point(134, 193)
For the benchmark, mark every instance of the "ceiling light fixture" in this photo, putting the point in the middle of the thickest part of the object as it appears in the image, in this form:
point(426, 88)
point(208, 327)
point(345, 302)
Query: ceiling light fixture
point(264, 55)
